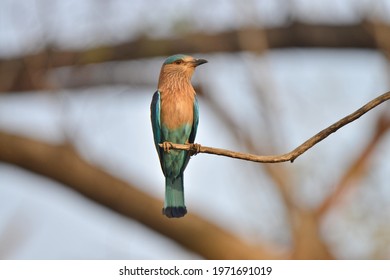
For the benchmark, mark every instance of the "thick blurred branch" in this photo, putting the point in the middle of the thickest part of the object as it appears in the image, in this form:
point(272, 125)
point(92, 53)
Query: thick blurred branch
point(63, 164)
point(27, 72)
point(291, 156)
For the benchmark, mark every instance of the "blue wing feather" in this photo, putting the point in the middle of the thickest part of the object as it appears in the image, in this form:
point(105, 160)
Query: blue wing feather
point(194, 129)
point(196, 121)
point(155, 118)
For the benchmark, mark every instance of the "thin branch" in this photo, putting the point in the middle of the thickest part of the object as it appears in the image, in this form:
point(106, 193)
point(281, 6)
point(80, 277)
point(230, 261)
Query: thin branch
point(291, 156)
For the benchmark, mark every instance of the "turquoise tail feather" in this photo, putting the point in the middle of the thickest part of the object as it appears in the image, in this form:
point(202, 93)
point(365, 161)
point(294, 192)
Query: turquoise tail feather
point(174, 206)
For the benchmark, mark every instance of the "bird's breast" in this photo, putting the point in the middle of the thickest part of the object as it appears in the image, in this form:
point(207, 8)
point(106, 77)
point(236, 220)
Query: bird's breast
point(177, 110)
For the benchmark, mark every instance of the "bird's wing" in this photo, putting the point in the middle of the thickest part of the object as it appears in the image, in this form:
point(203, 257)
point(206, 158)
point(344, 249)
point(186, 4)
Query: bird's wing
point(196, 121)
point(155, 118)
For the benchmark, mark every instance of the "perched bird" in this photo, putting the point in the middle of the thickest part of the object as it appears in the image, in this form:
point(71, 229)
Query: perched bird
point(175, 117)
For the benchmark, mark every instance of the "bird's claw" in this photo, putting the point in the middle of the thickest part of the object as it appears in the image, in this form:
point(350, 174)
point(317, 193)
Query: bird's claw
point(166, 146)
point(195, 149)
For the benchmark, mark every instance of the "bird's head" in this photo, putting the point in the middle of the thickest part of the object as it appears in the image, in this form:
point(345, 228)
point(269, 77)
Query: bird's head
point(180, 64)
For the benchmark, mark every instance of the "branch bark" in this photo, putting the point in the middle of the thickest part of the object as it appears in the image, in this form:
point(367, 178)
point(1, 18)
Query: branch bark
point(291, 156)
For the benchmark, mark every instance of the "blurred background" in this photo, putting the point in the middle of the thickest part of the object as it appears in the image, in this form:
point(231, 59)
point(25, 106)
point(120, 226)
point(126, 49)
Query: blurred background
point(79, 174)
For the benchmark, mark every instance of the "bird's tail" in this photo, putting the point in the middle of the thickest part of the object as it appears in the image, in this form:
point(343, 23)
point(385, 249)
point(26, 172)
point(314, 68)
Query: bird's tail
point(174, 206)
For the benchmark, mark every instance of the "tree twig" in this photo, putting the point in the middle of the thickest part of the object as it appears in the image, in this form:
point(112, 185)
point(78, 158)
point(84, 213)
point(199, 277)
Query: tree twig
point(291, 156)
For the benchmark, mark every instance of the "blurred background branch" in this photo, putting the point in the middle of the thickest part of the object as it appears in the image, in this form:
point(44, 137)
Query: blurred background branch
point(29, 72)
point(63, 164)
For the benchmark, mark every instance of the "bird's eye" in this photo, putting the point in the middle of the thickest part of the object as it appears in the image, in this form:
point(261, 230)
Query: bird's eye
point(178, 62)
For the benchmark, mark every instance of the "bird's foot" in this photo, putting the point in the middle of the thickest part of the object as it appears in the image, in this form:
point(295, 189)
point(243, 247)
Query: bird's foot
point(195, 149)
point(167, 146)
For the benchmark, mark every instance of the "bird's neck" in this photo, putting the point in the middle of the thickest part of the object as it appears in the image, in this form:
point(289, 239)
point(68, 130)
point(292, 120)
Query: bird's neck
point(175, 82)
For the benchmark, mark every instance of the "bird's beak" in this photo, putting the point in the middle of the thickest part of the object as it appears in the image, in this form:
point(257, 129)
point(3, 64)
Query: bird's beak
point(199, 61)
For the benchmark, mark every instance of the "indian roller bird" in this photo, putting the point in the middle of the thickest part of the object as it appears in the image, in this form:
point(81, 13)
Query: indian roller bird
point(175, 117)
